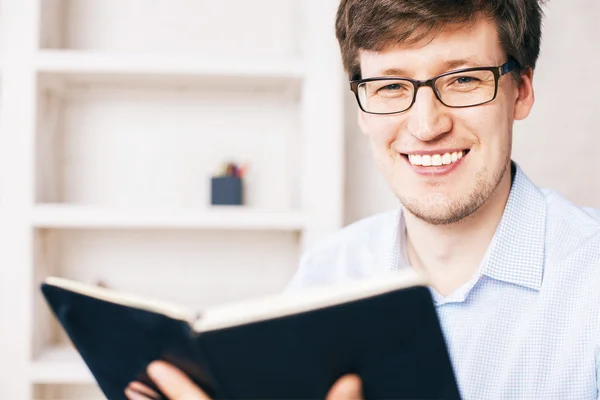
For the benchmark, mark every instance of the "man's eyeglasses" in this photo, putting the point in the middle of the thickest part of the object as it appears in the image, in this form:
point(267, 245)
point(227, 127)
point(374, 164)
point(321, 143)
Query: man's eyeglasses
point(463, 88)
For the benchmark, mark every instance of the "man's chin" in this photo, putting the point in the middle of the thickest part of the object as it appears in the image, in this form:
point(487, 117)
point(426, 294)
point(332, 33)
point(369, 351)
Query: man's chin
point(444, 212)
point(451, 205)
point(436, 218)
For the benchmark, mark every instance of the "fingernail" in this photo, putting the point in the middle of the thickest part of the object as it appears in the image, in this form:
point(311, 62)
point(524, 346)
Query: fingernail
point(158, 370)
point(133, 395)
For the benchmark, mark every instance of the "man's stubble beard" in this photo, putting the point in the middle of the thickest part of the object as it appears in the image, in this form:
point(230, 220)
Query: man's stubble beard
point(459, 209)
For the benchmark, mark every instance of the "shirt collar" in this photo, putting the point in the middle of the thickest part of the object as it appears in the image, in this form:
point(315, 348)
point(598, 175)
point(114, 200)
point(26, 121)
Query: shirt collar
point(517, 251)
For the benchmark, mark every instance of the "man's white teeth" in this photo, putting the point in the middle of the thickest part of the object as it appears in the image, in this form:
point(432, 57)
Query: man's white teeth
point(435, 159)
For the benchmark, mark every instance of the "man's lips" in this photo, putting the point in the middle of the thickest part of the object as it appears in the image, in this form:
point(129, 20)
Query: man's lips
point(436, 151)
point(434, 163)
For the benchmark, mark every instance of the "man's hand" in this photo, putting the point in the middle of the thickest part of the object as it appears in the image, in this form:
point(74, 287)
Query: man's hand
point(171, 381)
point(177, 386)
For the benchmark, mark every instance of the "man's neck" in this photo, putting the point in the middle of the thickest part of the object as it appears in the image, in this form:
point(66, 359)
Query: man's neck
point(450, 254)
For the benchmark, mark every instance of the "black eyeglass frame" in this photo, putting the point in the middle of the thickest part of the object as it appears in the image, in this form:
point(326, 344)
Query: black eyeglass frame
point(499, 71)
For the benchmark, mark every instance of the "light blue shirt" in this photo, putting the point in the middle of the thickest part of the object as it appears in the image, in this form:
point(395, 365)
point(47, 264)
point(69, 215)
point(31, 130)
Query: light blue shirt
point(527, 325)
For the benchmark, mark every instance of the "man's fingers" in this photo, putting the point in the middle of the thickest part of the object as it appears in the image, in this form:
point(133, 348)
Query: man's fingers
point(348, 387)
point(174, 383)
point(177, 386)
point(133, 395)
point(143, 389)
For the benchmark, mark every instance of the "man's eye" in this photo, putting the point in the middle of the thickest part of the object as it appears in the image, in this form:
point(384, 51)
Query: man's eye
point(392, 88)
point(466, 80)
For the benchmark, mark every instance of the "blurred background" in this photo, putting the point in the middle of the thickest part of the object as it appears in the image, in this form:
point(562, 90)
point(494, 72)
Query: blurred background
point(118, 119)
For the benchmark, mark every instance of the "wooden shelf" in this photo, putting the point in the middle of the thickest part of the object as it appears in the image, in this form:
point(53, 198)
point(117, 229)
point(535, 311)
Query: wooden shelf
point(222, 217)
point(91, 64)
point(60, 365)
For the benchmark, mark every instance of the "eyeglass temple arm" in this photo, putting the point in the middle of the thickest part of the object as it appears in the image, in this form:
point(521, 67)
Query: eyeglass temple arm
point(509, 66)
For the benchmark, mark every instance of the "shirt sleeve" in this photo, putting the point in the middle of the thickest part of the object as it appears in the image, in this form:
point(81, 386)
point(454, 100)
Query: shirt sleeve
point(299, 278)
point(598, 371)
point(319, 266)
point(598, 356)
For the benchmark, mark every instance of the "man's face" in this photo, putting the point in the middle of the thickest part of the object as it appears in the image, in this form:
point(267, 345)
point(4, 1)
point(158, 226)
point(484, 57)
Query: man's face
point(481, 134)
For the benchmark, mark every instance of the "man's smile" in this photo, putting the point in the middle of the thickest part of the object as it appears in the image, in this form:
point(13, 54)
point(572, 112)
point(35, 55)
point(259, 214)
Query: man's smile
point(435, 158)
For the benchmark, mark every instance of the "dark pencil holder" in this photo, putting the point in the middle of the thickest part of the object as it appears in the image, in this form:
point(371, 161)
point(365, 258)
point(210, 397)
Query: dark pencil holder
point(226, 190)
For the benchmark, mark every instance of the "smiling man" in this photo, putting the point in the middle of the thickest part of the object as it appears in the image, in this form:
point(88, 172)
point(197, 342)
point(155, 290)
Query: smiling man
point(514, 269)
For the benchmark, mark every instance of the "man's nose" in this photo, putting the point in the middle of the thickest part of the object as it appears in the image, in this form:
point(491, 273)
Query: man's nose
point(428, 118)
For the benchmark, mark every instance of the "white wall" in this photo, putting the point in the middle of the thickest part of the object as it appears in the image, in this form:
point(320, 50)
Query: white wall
point(557, 146)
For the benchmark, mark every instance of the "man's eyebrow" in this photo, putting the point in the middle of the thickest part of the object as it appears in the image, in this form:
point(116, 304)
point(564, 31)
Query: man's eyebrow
point(444, 67)
point(393, 72)
point(463, 62)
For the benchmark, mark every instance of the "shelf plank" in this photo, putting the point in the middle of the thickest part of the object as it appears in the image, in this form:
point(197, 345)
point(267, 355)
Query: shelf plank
point(60, 365)
point(221, 217)
point(72, 62)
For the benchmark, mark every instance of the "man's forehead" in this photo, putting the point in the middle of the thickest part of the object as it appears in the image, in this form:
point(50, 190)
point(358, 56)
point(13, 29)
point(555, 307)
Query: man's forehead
point(452, 48)
point(390, 64)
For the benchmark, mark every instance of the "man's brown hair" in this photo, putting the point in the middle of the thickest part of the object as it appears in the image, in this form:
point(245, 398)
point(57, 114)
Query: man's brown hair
point(375, 24)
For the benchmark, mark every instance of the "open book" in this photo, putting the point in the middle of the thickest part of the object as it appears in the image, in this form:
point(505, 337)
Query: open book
point(289, 346)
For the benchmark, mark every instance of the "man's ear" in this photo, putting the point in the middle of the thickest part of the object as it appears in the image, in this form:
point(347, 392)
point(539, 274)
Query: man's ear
point(526, 97)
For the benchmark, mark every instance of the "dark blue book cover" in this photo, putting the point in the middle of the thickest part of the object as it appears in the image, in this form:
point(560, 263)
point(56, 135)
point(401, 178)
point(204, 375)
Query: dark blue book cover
point(391, 338)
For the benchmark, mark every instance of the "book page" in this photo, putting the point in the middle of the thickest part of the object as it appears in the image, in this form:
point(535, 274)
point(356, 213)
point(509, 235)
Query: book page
point(125, 299)
point(311, 299)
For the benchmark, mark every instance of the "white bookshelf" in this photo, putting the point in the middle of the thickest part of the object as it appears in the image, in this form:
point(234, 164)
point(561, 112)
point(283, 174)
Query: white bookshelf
point(60, 365)
point(94, 63)
point(111, 132)
point(223, 217)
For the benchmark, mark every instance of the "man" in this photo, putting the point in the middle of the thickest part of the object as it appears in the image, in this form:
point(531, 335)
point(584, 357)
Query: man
point(514, 270)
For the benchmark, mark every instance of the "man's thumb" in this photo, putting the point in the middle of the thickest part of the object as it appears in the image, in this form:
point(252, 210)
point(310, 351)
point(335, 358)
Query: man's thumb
point(348, 387)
